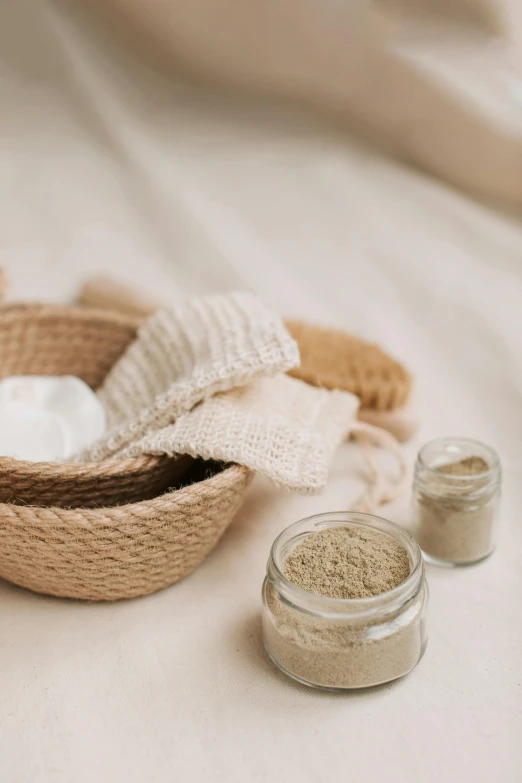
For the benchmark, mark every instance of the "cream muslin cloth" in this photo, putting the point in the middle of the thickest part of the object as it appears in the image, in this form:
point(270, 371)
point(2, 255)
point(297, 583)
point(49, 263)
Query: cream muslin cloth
point(185, 355)
point(206, 379)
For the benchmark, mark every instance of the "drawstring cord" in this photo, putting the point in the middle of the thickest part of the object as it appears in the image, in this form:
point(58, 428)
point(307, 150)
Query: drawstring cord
point(380, 489)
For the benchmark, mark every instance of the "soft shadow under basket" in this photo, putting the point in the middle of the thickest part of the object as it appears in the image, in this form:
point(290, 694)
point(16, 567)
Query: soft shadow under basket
point(106, 530)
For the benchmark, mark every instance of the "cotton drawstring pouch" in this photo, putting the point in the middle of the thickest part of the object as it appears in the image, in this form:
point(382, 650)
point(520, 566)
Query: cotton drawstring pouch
point(207, 380)
point(281, 428)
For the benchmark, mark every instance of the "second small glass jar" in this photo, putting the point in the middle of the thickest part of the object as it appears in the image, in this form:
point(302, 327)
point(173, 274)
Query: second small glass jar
point(338, 643)
point(455, 514)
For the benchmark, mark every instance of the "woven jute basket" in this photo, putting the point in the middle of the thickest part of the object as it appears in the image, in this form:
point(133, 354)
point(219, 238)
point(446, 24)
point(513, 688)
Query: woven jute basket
point(104, 531)
point(105, 554)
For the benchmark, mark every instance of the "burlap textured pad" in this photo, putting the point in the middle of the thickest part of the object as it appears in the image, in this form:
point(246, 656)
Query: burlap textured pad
point(336, 360)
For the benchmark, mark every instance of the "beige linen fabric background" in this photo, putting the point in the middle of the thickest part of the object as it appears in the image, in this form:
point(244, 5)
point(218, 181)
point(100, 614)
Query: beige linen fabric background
point(436, 82)
point(108, 166)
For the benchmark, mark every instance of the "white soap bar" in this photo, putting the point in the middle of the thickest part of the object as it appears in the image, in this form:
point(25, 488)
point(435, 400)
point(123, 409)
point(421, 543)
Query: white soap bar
point(29, 433)
point(67, 397)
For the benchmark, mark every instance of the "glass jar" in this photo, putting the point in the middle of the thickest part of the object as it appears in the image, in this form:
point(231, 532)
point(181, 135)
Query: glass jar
point(455, 515)
point(343, 643)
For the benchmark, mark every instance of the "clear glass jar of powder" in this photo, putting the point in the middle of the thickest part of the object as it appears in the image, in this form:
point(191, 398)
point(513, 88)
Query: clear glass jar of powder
point(456, 496)
point(344, 643)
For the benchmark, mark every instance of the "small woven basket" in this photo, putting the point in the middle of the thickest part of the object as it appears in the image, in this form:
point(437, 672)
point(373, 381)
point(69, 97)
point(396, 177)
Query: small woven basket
point(99, 531)
point(104, 554)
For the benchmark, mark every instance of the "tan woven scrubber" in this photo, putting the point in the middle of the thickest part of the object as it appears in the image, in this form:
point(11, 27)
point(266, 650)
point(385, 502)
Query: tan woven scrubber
point(184, 356)
point(336, 360)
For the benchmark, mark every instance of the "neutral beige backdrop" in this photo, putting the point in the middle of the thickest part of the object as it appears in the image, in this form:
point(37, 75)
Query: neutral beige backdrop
point(434, 82)
point(104, 166)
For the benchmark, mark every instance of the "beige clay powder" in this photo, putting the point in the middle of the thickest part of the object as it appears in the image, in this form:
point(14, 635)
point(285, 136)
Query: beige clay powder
point(455, 522)
point(344, 562)
point(355, 649)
